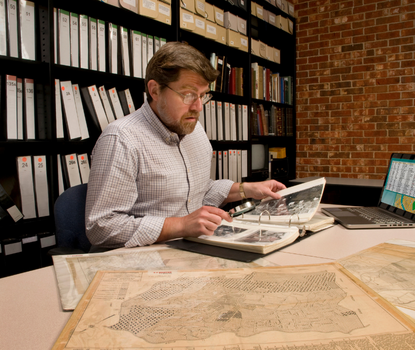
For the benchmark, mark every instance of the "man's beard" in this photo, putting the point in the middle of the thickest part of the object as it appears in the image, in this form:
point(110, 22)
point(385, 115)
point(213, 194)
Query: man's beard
point(181, 127)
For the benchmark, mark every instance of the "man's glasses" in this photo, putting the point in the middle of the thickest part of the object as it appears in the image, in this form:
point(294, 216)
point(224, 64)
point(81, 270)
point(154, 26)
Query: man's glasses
point(191, 97)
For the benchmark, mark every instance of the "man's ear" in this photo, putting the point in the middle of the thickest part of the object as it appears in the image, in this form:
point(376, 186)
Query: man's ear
point(153, 89)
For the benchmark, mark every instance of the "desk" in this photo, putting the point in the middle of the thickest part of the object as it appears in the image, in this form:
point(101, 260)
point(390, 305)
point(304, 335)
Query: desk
point(31, 314)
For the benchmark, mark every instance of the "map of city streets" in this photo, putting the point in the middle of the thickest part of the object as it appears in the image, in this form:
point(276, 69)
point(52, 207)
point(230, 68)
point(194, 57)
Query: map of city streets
point(302, 307)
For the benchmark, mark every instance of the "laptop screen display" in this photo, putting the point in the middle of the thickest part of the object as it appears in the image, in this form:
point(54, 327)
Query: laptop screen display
point(399, 187)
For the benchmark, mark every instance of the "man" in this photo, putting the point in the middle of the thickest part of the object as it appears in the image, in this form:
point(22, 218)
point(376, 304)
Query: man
point(150, 173)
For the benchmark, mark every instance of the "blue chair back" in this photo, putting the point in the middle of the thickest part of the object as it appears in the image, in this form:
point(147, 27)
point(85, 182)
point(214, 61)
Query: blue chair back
point(70, 219)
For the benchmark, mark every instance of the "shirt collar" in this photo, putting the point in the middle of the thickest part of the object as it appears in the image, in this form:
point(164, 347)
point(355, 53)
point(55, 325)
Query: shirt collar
point(151, 117)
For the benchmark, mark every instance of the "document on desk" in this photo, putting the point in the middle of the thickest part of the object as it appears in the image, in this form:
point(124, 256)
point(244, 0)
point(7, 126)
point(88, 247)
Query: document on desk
point(75, 272)
point(307, 307)
point(389, 269)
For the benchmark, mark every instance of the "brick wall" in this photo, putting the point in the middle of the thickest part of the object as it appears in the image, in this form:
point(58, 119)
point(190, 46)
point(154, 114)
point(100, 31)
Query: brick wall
point(355, 86)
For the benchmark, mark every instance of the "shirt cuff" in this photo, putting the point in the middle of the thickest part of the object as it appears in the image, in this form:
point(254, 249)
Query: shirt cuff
point(147, 233)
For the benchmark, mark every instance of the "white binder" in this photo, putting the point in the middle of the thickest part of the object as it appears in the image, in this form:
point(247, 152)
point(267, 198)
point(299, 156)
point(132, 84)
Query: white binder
point(19, 90)
point(113, 48)
point(233, 122)
point(74, 27)
point(29, 109)
point(115, 102)
point(83, 42)
point(98, 107)
point(64, 41)
point(41, 185)
point(106, 104)
point(136, 53)
point(72, 170)
point(27, 30)
point(150, 47)
point(208, 122)
point(80, 112)
point(27, 192)
point(125, 53)
point(11, 107)
point(245, 128)
point(213, 166)
point(227, 121)
point(61, 185)
point(102, 61)
point(213, 119)
point(93, 46)
point(3, 31)
point(84, 168)
point(144, 53)
point(58, 111)
point(219, 119)
point(71, 115)
point(12, 28)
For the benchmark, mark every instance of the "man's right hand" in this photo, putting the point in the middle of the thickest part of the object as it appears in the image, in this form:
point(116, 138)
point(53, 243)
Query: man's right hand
point(203, 221)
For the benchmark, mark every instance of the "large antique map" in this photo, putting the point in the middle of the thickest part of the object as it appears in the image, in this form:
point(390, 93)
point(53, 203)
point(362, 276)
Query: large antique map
point(389, 269)
point(74, 273)
point(303, 307)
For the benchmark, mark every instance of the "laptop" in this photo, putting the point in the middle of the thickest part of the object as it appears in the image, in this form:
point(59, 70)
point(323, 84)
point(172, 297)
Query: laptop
point(396, 206)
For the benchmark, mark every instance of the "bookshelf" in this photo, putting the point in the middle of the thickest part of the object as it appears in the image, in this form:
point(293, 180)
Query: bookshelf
point(45, 69)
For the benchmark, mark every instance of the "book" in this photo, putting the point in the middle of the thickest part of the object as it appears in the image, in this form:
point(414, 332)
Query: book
point(273, 223)
point(249, 237)
point(297, 205)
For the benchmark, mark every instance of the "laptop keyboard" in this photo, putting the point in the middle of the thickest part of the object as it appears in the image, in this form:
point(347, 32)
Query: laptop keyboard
point(375, 216)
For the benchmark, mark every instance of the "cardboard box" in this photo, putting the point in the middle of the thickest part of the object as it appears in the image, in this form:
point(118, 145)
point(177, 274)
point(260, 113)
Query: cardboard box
point(164, 12)
point(148, 8)
point(262, 49)
point(291, 10)
point(244, 43)
point(259, 11)
point(255, 47)
point(219, 16)
point(272, 2)
point(272, 18)
point(277, 56)
point(200, 8)
point(241, 25)
point(253, 8)
point(221, 34)
point(200, 25)
point(166, 1)
point(266, 15)
point(282, 23)
point(128, 6)
point(189, 5)
point(290, 26)
point(231, 21)
point(269, 53)
point(233, 39)
point(187, 20)
point(211, 30)
point(284, 6)
point(209, 12)
point(113, 3)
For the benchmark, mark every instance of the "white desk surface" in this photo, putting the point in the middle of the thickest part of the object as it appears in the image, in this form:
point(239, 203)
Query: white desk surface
point(32, 317)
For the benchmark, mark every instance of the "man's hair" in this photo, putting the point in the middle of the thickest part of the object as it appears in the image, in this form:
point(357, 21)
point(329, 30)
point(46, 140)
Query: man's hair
point(166, 64)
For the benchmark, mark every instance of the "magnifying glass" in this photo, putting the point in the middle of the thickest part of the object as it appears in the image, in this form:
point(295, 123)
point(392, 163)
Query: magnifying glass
point(242, 209)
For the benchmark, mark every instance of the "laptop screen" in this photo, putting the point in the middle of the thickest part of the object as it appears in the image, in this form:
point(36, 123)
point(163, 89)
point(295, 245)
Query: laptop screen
point(398, 193)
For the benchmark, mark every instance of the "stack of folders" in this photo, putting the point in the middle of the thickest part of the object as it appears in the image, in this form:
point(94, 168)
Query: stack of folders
point(81, 41)
point(224, 121)
point(17, 29)
point(103, 106)
point(229, 164)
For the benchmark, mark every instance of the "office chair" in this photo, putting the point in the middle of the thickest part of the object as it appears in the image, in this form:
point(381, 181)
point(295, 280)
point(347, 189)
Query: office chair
point(70, 222)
